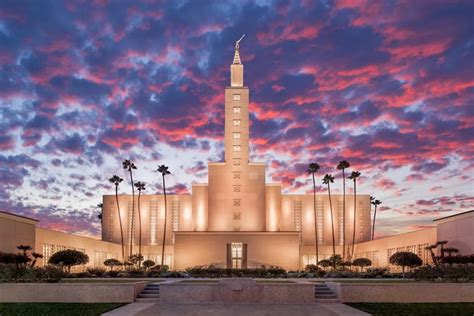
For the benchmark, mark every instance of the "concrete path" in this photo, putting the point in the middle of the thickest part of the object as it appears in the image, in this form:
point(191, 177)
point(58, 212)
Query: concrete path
point(327, 309)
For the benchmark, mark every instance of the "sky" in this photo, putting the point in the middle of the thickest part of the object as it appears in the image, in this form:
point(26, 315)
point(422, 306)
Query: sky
point(385, 85)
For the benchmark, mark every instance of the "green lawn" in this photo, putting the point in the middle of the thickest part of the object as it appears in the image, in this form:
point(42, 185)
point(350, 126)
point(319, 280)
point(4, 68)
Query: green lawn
point(69, 309)
point(418, 309)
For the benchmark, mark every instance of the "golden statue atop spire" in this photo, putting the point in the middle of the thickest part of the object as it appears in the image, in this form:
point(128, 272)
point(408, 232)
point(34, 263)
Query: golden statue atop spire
point(237, 46)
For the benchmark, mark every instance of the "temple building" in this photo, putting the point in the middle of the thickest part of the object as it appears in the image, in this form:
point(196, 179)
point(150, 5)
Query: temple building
point(236, 219)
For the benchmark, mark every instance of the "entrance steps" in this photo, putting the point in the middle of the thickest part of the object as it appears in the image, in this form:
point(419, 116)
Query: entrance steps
point(151, 293)
point(323, 294)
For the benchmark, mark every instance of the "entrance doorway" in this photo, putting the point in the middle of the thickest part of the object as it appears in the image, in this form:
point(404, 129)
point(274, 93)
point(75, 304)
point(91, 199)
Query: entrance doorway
point(237, 255)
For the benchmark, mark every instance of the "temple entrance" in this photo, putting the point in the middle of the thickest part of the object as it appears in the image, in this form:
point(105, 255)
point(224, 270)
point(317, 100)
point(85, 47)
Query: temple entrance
point(237, 255)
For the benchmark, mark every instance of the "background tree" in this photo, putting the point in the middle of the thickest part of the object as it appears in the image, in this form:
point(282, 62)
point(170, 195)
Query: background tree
point(328, 179)
point(164, 172)
point(312, 169)
point(343, 165)
point(140, 187)
point(354, 175)
point(101, 208)
point(24, 253)
point(450, 251)
point(68, 258)
point(111, 263)
point(35, 256)
point(129, 166)
point(405, 259)
point(375, 203)
point(116, 181)
point(148, 264)
point(362, 263)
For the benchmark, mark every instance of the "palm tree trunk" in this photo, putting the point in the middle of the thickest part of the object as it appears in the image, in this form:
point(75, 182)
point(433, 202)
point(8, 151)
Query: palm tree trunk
point(139, 229)
point(332, 226)
point(373, 223)
point(133, 215)
point(354, 219)
point(164, 229)
point(343, 215)
point(120, 222)
point(315, 221)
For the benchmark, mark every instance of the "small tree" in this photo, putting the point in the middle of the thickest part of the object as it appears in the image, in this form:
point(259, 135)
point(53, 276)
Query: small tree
point(405, 259)
point(336, 260)
point(148, 264)
point(325, 263)
point(69, 258)
point(362, 263)
point(111, 263)
point(135, 259)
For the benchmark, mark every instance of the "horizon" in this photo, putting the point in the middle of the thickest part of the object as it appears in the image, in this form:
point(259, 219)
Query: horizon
point(386, 86)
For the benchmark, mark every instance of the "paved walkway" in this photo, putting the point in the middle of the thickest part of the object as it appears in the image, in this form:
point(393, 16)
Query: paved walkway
point(145, 309)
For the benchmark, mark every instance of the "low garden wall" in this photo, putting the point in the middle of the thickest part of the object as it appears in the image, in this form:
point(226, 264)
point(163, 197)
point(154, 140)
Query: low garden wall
point(404, 292)
point(70, 292)
point(236, 291)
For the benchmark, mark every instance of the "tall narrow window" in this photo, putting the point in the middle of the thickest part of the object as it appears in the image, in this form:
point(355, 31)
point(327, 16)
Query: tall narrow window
point(131, 235)
point(236, 122)
point(297, 210)
point(153, 221)
point(340, 220)
point(175, 215)
point(320, 220)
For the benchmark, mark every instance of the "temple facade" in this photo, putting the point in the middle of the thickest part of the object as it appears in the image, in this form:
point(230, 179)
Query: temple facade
point(237, 219)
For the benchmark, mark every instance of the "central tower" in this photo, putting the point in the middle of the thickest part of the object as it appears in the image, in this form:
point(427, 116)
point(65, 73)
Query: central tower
point(236, 198)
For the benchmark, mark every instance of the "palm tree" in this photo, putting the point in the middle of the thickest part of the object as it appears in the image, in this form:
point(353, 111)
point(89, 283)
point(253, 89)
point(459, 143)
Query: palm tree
point(101, 207)
point(354, 175)
point(375, 203)
point(328, 179)
point(312, 169)
point(140, 187)
point(116, 181)
point(129, 165)
point(343, 165)
point(164, 171)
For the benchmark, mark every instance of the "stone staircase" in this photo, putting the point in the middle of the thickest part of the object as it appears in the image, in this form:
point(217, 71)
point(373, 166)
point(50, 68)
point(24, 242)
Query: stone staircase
point(151, 293)
point(323, 294)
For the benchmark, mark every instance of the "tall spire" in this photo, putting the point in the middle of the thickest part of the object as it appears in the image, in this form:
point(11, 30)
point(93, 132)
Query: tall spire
point(237, 69)
point(236, 54)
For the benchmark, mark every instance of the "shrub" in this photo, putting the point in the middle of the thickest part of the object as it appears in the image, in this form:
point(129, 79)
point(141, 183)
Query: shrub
point(135, 273)
point(376, 273)
point(113, 273)
point(405, 259)
point(98, 272)
point(69, 258)
point(111, 263)
point(362, 262)
point(19, 274)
